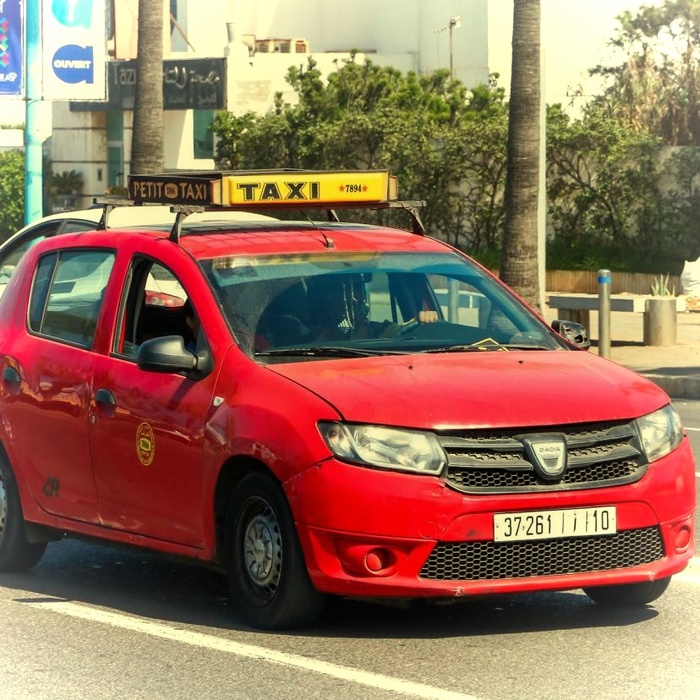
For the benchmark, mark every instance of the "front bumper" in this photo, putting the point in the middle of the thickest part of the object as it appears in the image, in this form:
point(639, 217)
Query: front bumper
point(375, 533)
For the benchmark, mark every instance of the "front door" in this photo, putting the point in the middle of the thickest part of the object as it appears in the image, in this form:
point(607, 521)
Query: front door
point(147, 435)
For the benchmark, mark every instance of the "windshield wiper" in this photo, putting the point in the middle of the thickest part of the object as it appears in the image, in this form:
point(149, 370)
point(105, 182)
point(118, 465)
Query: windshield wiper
point(487, 348)
point(326, 351)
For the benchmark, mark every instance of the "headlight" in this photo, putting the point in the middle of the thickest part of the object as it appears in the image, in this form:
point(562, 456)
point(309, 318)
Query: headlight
point(389, 448)
point(661, 432)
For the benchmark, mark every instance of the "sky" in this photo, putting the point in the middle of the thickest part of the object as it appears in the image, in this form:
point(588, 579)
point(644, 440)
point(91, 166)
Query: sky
point(574, 34)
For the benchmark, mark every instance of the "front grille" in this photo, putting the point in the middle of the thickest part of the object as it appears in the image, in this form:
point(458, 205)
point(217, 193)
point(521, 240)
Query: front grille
point(599, 455)
point(486, 561)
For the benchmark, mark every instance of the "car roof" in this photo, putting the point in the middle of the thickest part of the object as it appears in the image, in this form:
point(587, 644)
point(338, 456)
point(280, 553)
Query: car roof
point(205, 240)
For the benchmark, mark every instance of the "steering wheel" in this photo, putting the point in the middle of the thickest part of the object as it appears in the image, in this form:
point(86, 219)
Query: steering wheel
point(407, 327)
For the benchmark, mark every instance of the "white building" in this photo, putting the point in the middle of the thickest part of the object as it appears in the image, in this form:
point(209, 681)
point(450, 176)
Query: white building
point(249, 46)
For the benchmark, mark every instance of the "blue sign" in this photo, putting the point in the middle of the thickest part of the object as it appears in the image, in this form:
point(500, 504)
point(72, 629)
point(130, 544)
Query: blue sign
point(74, 49)
point(11, 56)
point(74, 64)
point(73, 13)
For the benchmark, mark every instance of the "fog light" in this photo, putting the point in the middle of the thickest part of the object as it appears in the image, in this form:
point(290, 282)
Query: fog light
point(376, 560)
point(367, 559)
point(684, 536)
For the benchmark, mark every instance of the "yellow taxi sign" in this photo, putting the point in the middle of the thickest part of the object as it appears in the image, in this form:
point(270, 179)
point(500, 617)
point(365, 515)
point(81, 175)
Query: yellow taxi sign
point(266, 188)
point(303, 188)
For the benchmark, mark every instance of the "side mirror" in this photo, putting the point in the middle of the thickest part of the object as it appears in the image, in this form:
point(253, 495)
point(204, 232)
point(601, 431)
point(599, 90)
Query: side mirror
point(168, 354)
point(573, 332)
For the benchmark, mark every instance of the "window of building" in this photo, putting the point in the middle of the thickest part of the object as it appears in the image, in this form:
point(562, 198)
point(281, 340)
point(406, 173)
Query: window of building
point(203, 135)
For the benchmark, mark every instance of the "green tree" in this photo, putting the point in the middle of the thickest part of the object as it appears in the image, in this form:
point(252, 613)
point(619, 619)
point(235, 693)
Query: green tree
point(605, 205)
point(519, 257)
point(446, 145)
point(681, 205)
point(67, 182)
point(656, 87)
point(147, 150)
point(11, 193)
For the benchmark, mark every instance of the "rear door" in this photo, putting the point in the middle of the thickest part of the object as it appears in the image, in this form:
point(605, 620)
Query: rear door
point(47, 380)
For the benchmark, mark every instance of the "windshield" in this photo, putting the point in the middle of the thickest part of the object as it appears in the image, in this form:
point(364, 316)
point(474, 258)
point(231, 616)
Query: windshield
point(290, 307)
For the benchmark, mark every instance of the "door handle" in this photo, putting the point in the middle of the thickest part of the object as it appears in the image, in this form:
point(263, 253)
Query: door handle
point(105, 403)
point(11, 380)
point(104, 397)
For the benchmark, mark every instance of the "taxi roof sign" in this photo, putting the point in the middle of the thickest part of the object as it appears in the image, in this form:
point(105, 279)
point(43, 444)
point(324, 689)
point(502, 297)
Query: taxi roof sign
point(266, 188)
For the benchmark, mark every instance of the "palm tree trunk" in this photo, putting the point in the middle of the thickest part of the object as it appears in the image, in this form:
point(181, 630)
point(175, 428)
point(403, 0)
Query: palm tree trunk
point(519, 257)
point(147, 136)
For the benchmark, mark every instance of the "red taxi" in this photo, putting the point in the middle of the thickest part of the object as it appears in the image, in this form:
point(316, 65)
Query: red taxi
point(329, 408)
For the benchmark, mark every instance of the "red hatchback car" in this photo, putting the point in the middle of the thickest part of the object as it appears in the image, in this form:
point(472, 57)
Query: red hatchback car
point(331, 408)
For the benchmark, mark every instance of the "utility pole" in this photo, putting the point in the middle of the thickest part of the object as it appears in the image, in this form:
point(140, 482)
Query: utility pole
point(455, 23)
point(33, 185)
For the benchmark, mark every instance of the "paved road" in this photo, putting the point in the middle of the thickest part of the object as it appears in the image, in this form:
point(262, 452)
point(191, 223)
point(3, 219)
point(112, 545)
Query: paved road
point(92, 623)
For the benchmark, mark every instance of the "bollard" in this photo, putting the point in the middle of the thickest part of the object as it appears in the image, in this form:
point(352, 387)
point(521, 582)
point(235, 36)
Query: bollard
point(660, 321)
point(604, 284)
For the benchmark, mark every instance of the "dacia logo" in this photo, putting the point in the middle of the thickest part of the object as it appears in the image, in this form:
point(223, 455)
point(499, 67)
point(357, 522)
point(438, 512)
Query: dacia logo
point(270, 191)
point(548, 455)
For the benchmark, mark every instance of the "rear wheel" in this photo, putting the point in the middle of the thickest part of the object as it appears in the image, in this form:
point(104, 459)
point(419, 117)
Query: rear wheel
point(270, 586)
point(628, 594)
point(16, 553)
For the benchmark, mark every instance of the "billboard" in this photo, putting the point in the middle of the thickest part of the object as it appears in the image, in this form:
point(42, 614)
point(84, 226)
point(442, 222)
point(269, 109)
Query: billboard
point(11, 54)
point(74, 49)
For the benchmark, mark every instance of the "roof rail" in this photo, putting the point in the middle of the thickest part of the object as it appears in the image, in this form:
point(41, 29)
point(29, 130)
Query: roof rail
point(238, 190)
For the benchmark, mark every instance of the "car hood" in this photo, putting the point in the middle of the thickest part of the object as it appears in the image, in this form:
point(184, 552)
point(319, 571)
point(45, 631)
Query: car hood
point(478, 389)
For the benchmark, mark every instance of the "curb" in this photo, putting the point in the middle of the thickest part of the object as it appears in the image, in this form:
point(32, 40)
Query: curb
point(676, 387)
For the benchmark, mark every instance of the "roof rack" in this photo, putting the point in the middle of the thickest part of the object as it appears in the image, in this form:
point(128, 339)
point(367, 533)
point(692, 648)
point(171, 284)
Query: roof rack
point(189, 192)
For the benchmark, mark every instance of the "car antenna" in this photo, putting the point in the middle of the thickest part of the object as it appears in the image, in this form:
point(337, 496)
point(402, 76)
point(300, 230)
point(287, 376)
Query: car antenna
point(332, 216)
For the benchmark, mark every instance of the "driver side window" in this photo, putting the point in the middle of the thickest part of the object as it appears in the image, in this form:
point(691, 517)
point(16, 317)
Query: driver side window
point(156, 305)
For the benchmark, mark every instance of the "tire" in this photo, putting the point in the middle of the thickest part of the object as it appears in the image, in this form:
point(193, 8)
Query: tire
point(628, 594)
point(16, 553)
point(269, 584)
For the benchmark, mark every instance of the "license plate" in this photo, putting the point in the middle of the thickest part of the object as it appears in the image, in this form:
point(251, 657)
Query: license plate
point(552, 524)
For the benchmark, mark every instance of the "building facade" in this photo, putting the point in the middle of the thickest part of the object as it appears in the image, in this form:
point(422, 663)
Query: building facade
point(235, 57)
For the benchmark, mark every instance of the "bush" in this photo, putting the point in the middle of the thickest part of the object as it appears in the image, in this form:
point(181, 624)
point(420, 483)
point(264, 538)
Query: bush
point(11, 193)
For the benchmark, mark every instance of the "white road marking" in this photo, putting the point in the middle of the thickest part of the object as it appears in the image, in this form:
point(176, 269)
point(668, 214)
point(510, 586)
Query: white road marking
point(155, 629)
point(366, 678)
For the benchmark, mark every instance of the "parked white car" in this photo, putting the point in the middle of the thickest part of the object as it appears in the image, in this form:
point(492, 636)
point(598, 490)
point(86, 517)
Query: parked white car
point(151, 216)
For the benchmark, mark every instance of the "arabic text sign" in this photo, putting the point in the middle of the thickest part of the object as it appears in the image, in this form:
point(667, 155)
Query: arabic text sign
point(74, 49)
point(188, 83)
point(11, 55)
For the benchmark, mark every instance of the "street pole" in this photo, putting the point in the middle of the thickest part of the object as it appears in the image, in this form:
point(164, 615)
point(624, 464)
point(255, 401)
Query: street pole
point(604, 284)
point(452, 74)
point(33, 187)
point(454, 23)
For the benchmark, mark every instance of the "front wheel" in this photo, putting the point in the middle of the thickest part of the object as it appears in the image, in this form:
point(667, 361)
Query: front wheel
point(628, 594)
point(270, 586)
point(16, 553)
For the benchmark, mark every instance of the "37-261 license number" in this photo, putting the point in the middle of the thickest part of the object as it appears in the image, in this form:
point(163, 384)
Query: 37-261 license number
point(550, 524)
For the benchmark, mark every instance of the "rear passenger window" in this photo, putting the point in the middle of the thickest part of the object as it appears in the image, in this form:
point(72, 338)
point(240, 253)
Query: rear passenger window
point(67, 294)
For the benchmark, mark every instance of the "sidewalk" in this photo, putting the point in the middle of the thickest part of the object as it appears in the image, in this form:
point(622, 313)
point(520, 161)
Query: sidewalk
point(676, 368)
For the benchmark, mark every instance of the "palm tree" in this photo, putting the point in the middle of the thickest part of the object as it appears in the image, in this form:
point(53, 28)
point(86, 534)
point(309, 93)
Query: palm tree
point(147, 137)
point(519, 256)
